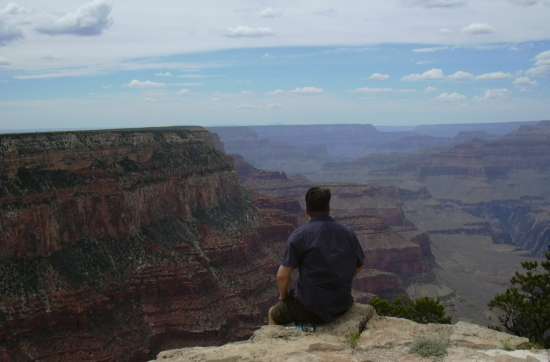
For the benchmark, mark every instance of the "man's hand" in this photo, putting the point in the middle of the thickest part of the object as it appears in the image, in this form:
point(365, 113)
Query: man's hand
point(284, 278)
point(358, 269)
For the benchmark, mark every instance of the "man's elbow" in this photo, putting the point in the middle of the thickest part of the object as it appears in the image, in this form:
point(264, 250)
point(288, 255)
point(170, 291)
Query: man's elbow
point(283, 274)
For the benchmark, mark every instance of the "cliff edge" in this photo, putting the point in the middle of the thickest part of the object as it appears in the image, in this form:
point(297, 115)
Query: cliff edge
point(361, 335)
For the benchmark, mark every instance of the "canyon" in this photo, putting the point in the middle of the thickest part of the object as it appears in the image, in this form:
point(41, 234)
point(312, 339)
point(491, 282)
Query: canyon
point(117, 244)
point(479, 193)
point(397, 254)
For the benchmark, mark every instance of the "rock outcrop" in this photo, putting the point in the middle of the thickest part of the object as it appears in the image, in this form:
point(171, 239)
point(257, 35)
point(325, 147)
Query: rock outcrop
point(117, 244)
point(360, 335)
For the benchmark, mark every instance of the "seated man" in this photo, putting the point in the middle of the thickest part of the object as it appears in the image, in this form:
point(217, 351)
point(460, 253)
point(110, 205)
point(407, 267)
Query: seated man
point(327, 255)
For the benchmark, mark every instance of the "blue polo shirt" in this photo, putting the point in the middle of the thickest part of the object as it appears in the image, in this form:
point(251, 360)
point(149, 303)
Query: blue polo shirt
point(327, 255)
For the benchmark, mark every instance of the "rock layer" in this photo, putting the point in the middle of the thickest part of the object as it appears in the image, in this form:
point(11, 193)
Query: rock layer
point(396, 252)
point(117, 244)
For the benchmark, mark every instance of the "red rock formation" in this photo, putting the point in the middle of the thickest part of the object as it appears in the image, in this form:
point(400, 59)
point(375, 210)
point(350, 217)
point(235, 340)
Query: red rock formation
point(118, 244)
point(376, 282)
point(395, 251)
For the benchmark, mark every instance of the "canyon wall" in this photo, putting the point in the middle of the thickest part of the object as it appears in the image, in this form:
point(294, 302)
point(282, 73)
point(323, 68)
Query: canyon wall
point(117, 244)
point(503, 182)
point(396, 252)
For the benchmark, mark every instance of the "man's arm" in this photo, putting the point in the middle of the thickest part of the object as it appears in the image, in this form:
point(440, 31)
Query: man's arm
point(284, 278)
point(359, 253)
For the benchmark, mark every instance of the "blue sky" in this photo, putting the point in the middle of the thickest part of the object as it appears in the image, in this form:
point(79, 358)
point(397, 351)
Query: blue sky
point(116, 64)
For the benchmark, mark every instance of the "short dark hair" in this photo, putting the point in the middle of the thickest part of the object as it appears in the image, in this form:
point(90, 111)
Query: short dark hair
point(318, 199)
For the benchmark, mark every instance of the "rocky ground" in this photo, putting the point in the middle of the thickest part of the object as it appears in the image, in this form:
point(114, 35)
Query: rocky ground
point(360, 335)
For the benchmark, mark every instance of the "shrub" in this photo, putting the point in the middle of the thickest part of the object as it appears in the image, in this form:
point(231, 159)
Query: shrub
point(525, 307)
point(430, 347)
point(423, 310)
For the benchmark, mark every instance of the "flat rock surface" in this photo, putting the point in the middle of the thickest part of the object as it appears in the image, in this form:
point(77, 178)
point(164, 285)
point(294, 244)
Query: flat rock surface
point(384, 339)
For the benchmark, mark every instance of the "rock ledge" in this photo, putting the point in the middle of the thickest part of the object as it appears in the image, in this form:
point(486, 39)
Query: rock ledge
point(361, 335)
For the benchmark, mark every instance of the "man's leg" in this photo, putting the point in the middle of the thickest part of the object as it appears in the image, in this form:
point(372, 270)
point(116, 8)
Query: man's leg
point(279, 314)
point(291, 310)
point(270, 316)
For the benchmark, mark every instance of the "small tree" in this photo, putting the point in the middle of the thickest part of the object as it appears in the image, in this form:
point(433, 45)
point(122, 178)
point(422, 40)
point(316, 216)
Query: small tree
point(423, 310)
point(525, 307)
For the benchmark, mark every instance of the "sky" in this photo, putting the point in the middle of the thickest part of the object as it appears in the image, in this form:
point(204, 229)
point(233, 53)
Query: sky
point(131, 63)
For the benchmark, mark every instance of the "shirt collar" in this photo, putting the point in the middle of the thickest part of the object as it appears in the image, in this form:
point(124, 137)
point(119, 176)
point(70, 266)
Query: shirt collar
point(321, 218)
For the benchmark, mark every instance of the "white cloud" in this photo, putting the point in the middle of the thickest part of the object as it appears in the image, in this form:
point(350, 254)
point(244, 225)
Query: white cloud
point(54, 75)
point(451, 97)
point(9, 29)
point(429, 50)
point(379, 76)
point(164, 74)
point(184, 91)
point(307, 90)
point(88, 20)
point(258, 107)
point(494, 76)
point(524, 83)
point(367, 90)
point(145, 29)
point(541, 66)
point(525, 3)
point(330, 12)
point(248, 32)
point(432, 74)
point(4, 61)
point(271, 13)
point(192, 84)
point(430, 89)
point(494, 94)
point(108, 68)
point(276, 92)
point(146, 84)
point(13, 9)
point(437, 3)
point(461, 76)
point(478, 29)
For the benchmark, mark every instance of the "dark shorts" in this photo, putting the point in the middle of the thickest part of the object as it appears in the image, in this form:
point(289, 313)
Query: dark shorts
point(291, 310)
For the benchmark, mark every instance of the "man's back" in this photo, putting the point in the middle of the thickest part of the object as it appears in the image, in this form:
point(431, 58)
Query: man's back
point(327, 255)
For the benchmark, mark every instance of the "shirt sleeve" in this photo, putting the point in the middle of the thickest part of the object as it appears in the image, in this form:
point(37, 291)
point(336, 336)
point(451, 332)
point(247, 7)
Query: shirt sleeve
point(358, 250)
point(292, 255)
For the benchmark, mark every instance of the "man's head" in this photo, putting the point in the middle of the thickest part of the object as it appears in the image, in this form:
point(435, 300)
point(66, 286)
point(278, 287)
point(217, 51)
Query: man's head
point(318, 201)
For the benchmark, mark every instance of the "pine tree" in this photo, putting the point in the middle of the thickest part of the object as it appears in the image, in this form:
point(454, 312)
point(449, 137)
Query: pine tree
point(524, 308)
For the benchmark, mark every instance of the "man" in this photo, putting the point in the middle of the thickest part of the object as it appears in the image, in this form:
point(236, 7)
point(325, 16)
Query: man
point(327, 255)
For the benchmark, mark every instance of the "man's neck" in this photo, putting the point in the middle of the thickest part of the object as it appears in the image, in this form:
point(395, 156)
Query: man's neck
point(319, 215)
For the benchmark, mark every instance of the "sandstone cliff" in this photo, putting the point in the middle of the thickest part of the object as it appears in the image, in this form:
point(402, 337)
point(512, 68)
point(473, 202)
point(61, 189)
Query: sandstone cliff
point(360, 335)
point(117, 244)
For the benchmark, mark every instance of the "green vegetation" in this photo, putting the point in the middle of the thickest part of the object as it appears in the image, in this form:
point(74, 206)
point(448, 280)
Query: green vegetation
point(430, 347)
point(525, 307)
point(353, 339)
point(95, 263)
point(423, 310)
